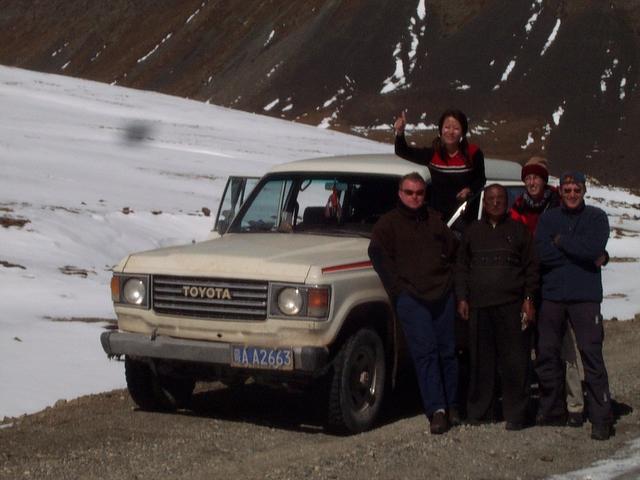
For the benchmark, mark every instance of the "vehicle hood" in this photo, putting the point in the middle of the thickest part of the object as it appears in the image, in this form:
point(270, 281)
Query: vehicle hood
point(260, 256)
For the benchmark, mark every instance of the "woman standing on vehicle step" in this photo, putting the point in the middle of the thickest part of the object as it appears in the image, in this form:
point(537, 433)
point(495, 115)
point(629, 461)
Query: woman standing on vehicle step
point(456, 166)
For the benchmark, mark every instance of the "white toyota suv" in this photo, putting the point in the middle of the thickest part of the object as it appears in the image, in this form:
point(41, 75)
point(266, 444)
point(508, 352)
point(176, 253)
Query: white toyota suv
point(285, 294)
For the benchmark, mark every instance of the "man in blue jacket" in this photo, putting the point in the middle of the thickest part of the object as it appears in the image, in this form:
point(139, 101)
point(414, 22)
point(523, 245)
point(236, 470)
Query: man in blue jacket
point(570, 240)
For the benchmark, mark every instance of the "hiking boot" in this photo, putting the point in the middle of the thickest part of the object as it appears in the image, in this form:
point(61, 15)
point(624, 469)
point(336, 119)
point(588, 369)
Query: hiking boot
point(454, 417)
point(601, 431)
point(575, 419)
point(438, 423)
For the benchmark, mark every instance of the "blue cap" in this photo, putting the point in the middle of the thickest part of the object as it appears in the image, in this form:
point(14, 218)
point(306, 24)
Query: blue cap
point(572, 177)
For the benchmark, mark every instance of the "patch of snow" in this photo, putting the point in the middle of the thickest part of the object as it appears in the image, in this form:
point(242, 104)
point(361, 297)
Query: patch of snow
point(410, 127)
point(326, 122)
point(537, 9)
point(56, 52)
point(623, 464)
point(479, 130)
point(458, 85)
point(154, 49)
point(270, 105)
point(192, 16)
point(421, 11)
point(604, 77)
point(552, 37)
point(64, 67)
point(532, 20)
point(333, 99)
point(557, 115)
point(396, 80)
point(416, 29)
point(274, 68)
point(623, 83)
point(97, 54)
point(343, 95)
point(506, 73)
point(508, 70)
point(527, 142)
point(273, 32)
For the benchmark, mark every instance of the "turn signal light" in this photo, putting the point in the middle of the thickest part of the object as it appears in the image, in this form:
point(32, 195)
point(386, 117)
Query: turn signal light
point(115, 289)
point(318, 302)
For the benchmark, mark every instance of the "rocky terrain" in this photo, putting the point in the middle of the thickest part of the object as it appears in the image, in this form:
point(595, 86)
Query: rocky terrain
point(253, 432)
point(558, 76)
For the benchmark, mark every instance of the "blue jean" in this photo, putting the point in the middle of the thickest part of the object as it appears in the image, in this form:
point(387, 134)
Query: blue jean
point(429, 333)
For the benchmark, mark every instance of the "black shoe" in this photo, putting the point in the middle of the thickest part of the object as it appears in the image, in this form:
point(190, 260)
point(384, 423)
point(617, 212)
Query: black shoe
point(551, 420)
point(514, 426)
point(438, 423)
point(601, 431)
point(575, 419)
point(454, 417)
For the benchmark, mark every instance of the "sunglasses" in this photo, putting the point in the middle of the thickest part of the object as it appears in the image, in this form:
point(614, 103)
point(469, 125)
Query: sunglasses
point(572, 190)
point(409, 192)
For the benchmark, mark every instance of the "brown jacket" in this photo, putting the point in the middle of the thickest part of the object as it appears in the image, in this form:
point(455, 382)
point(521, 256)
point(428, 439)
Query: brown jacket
point(413, 251)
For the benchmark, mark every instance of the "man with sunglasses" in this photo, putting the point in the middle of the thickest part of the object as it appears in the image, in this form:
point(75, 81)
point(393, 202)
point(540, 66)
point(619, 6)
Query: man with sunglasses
point(413, 252)
point(570, 240)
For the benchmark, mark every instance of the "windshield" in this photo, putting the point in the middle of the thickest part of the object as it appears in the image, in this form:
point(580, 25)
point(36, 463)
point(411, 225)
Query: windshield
point(343, 203)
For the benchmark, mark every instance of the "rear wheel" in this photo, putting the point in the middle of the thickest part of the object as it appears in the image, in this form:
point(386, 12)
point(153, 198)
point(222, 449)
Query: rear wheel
point(154, 392)
point(356, 390)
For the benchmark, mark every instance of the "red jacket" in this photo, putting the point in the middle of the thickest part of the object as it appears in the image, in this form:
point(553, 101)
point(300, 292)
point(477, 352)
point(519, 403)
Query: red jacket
point(525, 210)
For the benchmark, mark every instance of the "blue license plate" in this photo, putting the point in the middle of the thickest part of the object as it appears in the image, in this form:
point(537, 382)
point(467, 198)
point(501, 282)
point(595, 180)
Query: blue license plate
point(261, 357)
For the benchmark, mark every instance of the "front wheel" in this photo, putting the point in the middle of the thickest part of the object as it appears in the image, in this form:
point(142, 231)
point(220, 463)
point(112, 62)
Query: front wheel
point(356, 390)
point(154, 392)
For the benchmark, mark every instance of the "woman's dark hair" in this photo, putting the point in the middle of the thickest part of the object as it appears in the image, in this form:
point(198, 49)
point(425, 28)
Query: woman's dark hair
point(438, 145)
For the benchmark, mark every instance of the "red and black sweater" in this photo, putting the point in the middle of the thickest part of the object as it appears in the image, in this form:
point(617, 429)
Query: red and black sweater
point(448, 176)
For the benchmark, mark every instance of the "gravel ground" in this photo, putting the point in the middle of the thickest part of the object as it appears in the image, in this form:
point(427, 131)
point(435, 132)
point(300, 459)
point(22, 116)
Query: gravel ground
point(261, 433)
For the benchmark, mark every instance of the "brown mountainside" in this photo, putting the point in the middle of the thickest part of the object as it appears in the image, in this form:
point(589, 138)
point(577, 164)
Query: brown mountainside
point(559, 76)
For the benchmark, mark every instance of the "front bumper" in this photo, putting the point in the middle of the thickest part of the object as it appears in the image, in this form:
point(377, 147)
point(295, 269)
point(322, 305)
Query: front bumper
point(305, 359)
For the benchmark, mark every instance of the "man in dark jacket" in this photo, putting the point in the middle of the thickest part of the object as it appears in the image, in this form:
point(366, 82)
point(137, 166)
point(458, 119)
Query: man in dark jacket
point(413, 251)
point(570, 240)
point(496, 282)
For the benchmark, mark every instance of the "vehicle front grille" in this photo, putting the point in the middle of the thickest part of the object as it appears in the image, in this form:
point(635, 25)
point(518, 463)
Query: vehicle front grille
point(210, 297)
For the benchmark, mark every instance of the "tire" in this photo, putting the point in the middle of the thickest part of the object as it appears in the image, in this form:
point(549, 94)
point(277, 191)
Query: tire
point(356, 389)
point(156, 393)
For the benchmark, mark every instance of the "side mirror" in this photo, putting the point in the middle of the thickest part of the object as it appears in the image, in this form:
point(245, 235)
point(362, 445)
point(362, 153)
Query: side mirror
point(222, 226)
point(236, 191)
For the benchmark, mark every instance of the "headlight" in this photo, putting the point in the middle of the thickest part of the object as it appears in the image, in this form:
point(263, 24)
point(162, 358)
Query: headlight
point(290, 301)
point(299, 301)
point(130, 290)
point(134, 291)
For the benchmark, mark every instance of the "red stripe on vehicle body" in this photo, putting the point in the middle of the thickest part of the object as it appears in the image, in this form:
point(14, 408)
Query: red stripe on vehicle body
point(347, 266)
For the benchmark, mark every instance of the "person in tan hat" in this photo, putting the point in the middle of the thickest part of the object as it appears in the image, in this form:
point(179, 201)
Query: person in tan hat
point(537, 198)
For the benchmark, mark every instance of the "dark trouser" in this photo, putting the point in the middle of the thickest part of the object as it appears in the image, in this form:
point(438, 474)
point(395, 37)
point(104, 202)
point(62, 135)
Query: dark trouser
point(429, 333)
point(586, 322)
point(499, 349)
